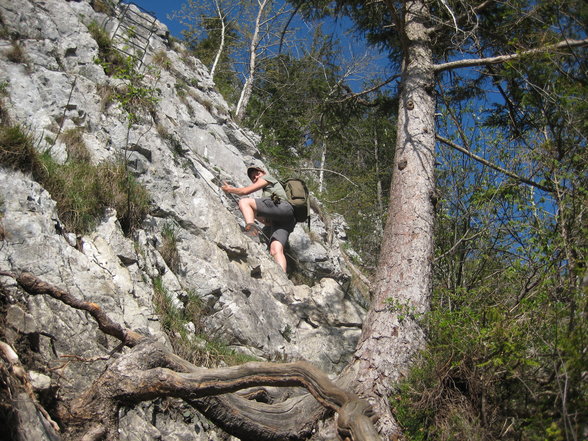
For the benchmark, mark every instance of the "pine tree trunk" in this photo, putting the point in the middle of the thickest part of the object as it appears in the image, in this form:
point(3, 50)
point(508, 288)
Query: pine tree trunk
point(391, 336)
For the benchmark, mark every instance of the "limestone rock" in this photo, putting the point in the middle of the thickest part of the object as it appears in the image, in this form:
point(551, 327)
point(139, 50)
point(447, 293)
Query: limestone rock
point(180, 152)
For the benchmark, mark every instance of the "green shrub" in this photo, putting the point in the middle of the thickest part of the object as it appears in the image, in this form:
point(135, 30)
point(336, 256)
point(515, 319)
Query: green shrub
point(135, 97)
point(494, 363)
point(108, 57)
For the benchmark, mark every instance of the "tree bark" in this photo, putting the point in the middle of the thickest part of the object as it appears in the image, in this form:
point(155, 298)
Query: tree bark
point(391, 335)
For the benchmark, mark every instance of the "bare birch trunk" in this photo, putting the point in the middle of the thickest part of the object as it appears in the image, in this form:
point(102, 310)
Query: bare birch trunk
point(402, 284)
point(322, 167)
point(222, 42)
point(248, 86)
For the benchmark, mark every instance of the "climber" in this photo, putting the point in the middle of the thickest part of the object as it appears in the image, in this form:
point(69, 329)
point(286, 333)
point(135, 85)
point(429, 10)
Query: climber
point(271, 209)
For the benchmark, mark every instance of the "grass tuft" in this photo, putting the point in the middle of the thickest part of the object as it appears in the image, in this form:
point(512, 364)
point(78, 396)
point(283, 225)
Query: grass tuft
point(82, 191)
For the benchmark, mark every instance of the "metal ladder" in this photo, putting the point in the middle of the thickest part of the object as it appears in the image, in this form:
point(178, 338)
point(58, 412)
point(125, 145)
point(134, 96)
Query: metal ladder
point(134, 30)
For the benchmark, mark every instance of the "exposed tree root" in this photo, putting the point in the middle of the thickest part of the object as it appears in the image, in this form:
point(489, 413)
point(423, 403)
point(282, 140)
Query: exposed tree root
point(149, 370)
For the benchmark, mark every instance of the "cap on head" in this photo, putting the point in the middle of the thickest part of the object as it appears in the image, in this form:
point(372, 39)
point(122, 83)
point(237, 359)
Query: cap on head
point(252, 168)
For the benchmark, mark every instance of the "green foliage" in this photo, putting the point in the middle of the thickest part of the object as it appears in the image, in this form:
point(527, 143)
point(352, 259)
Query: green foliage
point(18, 152)
point(3, 88)
point(197, 348)
point(108, 57)
point(202, 35)
point(499, 363)
point(507, 328)
point(81, 190)
point(135, 97)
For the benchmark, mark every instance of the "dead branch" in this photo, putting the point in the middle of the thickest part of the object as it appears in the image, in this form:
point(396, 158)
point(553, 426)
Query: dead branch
point(8, 354)
point(34, 286)
point(565, 44)
point(492, 165)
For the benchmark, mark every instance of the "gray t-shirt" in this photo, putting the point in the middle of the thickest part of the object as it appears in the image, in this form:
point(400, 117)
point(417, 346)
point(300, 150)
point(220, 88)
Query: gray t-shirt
point(274, 187)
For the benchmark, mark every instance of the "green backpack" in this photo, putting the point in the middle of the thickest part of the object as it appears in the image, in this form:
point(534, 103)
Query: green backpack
point(299, 198)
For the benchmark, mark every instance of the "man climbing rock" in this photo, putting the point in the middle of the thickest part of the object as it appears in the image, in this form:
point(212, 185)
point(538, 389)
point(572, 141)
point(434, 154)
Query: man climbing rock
point(272, 209)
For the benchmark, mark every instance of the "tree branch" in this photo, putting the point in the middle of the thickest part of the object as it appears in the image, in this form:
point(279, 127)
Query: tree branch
point(462, 17)
point(504, 58)
point(366, 91)
point(492, 165)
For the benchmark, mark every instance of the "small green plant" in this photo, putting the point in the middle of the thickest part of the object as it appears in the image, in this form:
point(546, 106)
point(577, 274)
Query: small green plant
point(402, 309)
point(108, 57)
point(17, 151)
point(135, 97)
point(196, 348)
point(180, 87)
point(169, 247)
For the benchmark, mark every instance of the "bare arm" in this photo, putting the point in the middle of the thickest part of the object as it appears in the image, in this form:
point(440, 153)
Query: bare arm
point(241, 191)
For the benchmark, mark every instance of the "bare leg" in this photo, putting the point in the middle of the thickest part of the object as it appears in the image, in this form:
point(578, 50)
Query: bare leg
point(277, 251)
point(248, 208)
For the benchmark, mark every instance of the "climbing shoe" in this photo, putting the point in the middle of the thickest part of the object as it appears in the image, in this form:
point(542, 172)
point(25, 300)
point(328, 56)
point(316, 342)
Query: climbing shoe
point(251, 230)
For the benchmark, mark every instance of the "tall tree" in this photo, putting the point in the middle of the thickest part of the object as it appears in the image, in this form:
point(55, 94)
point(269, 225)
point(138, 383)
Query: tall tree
point(429, 42)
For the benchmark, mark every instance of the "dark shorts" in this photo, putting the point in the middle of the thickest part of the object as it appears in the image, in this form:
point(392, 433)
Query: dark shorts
point(280, 215)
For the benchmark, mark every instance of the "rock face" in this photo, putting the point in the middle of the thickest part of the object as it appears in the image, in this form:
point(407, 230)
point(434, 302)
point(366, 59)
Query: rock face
point(179, 152)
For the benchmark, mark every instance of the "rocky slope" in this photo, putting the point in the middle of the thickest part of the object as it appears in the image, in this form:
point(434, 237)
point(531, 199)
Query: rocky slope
point(179, 151)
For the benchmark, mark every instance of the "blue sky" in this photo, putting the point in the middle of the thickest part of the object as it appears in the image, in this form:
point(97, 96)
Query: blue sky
point(161, 10)
point(351, 47)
